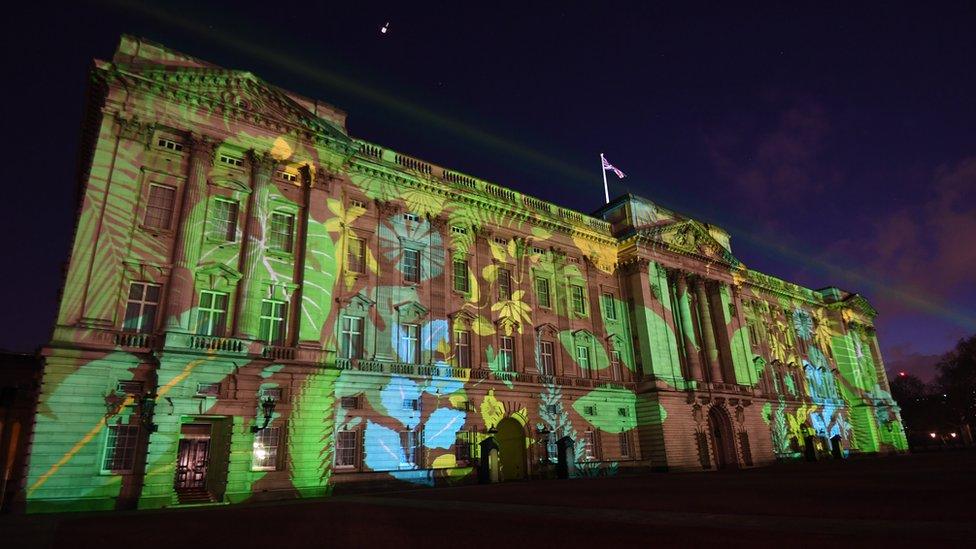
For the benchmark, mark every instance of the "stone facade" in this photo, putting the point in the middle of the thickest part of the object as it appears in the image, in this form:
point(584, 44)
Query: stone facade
point(259, 305)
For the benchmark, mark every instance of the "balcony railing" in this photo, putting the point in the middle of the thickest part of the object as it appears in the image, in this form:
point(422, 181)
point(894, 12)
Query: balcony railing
point(211, 343)
point(274, 352)
point(135, 340)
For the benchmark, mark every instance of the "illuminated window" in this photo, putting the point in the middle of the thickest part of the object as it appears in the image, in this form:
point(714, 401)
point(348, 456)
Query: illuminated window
point(356, 255)
point(140, 309)
point(579, 300)
point(410, 343)
point(272, 328)
point(212, 313)
point(583, 357)
point(462, 348)
point(281, 233)
point(351, 337)
point(265, 455)
point(411, 265)
point(504, 284)
point(542, 292)
point(288, 176)
point(546, 365)
point(589, 451)
point(609, 308)
point(347, 448)
point(624, 438)
point(507, 354)
point(409, 441)
point(159, 208)
point(461, 276)
point(223, 220)
point(120, 448)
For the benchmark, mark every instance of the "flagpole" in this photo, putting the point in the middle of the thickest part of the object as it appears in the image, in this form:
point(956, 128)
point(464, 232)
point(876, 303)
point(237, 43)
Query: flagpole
point(603, 169)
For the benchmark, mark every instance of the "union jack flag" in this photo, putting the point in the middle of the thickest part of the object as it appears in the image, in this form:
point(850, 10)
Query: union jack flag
point(608, 166)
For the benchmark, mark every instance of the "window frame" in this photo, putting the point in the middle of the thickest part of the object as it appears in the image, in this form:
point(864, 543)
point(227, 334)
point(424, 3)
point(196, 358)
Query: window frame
point(128, 451)
point(578, 297)
point(411, 273)
point(460, 274)
point(508, 365)
point(410, 343)
point(353, 449)
point(609, 306)
point(355, 352)
point(462, 348)
point(142, 302)
point(504, 290)
point(356, 262)
point(541, 282)
point(288, 239)
point(274, 434)
point(282, 334)
point(228, 233)
point(550, 368)
point(210, 311)
point(150, 206)
point(584, 357)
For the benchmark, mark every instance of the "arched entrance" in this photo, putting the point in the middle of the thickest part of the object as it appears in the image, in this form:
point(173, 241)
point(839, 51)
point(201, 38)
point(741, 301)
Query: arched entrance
point(511, 449)
point(720, 429)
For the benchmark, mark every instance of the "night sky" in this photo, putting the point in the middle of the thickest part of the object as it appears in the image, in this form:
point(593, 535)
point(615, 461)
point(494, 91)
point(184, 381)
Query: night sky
point(837, 144)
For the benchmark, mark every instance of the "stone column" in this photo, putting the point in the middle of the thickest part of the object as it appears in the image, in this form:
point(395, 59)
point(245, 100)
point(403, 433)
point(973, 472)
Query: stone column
point(248, 310)
point(708, 332)
point(186, 246)
point(688, 328)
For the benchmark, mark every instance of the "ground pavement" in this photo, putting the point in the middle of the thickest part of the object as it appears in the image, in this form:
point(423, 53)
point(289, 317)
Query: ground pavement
point(901, 501)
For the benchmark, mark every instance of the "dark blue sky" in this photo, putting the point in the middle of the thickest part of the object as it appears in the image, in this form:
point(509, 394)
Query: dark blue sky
point(836, 143)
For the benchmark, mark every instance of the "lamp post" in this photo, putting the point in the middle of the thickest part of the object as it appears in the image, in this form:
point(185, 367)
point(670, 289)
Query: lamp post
point(267, 408)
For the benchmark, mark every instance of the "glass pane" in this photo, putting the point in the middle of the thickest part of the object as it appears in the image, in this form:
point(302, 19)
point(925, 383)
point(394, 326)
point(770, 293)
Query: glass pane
point(152, 293)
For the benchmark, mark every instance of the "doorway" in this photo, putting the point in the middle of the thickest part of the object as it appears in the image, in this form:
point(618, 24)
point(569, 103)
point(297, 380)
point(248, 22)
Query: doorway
point(720, 427)
point(511, 449)
point(193, 458)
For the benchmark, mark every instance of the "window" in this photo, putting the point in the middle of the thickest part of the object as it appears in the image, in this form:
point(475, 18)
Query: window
point(208, 389)
point(272, 329)
point(413, 218)
point(140, 309)
point(356, 255)
point(615, 365)
point(351, 337)
point(462, 447)
point(542, 292)
point(120, 448)
point(169, 144)
point(609, 308)
point(507, 354)
point(288, 176)
point(281, 232)
point(274, 393)
point(212, 313)
point(349, 403)
point(346, 448)
point(461, 276)
point(500, 241)
point(129, 387)
point(583, 357)
point(538, 251)
point(458, 230)
point(223, 220)
point(408, 439)
point(546, 366)
point(410, 343)
point(589, 439)
point(265, 456)
point(579, 300)
point(623, 412)
point(411, 404)
point(159, 208)
point(353, 203)
point(504, 284)
point(462, 348)
point(624, 438)
point(589, 410)
point(550, 447)
point(411, 265)
point(231, 160)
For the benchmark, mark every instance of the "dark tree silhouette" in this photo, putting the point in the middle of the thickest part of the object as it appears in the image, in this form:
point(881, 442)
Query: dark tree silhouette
point(957, 382)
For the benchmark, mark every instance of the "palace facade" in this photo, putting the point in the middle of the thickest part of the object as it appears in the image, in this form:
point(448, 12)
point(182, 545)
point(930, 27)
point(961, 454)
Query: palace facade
point(259, 305)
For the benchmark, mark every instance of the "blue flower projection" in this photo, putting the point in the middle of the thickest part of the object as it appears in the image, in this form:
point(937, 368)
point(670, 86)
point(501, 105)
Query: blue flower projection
point(395, 231)
point(442, 427)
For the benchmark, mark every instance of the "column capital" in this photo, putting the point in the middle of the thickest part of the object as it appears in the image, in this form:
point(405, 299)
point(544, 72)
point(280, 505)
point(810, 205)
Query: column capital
point(261, 162)
point(202, 146)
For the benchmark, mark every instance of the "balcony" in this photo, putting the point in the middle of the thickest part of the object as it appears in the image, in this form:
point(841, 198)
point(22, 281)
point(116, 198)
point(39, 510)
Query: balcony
point(206, 344)
point(275, 352)
point(134, 340)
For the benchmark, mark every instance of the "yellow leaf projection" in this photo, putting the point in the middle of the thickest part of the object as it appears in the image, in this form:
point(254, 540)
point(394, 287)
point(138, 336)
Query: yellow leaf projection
point(492, 410)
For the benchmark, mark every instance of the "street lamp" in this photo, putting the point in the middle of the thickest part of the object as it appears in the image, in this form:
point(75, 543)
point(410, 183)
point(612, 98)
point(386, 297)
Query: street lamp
point(268, 408)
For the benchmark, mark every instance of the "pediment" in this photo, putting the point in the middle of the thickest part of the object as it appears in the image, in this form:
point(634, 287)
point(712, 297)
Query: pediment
point(691, 237)
point(239, 92)
point(357, 304)
point(411, 312)
point(462, 318)
point(213, 273)
point(546, 330)
point(583, 336)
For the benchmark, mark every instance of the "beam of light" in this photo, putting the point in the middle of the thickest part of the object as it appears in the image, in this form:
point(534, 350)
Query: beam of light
point(579, 178)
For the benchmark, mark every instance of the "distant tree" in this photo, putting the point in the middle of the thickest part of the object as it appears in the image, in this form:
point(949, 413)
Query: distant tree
point(957, 382)
point(921, 407)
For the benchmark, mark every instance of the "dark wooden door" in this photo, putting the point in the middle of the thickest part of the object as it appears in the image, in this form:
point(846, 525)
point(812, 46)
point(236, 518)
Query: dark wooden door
point(191, 464)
